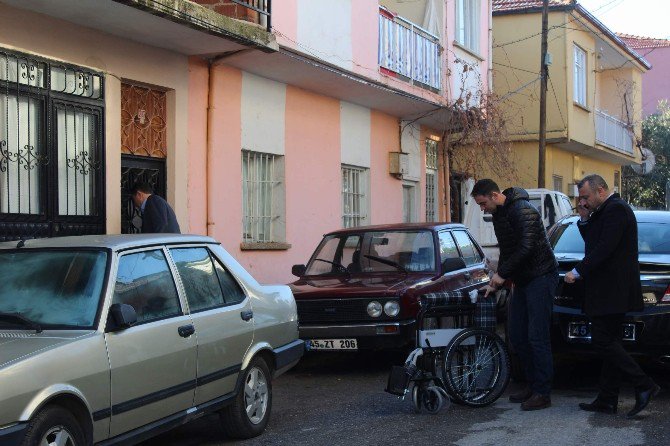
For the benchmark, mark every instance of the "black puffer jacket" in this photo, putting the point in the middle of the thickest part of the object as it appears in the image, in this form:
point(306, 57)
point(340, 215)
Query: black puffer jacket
point(524, 247)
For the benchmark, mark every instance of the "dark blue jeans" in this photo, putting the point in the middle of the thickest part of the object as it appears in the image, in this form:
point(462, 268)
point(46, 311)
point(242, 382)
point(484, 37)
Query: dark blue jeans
point(529, 324)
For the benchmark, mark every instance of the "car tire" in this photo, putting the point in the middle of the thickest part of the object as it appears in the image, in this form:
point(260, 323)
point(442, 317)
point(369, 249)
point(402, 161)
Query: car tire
point(250, 413)
point(54, 425)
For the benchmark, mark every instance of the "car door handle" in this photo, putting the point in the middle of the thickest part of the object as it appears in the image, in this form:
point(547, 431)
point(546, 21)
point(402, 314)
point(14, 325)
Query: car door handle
point(247, 315)
point(186, 330)
point(467, 276)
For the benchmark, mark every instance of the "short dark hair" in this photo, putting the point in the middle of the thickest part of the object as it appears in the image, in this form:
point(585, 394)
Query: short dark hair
point(142, 186)
point(484, 187)
point(594, 181)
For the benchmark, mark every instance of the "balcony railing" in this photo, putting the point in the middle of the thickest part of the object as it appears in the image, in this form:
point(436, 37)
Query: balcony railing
point(613, 133)
point(407, 50)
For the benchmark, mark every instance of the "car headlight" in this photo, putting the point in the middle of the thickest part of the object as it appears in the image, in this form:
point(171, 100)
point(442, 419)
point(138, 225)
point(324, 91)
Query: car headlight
point(392, 308)
point(374, 309)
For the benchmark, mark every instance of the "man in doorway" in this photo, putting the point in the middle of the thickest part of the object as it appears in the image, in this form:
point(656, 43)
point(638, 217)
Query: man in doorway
point(157, 215)
point(526, 259)
point(611, 273)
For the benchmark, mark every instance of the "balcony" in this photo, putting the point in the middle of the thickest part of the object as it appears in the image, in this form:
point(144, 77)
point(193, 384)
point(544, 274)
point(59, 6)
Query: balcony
point(613, 133)
point(409, 52)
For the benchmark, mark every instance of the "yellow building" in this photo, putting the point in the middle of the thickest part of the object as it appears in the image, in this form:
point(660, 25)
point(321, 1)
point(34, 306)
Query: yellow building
point(594, 99)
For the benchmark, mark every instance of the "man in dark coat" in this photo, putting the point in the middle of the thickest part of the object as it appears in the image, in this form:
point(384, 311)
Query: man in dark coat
point(526, 259)
point(611, 273)
point(157, 215)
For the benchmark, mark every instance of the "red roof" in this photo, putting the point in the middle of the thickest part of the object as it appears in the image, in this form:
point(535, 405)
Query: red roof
point(519, 5)
point(639, 42)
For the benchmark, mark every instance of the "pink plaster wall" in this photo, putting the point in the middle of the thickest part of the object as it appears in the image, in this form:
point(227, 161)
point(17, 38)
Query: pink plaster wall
point(198, 78)
point(285, 22)
point(385, 190)
point(655, 82)
point(225, 162)
point(365, 37)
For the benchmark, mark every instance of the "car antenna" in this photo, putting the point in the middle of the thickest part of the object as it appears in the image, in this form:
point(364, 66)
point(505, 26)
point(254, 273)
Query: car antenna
point(22, 239)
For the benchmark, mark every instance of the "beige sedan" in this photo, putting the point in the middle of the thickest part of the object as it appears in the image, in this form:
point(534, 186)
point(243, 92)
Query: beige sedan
point(114, 339)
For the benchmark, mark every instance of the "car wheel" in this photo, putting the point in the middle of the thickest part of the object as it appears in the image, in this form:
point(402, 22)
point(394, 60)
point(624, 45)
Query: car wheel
point(250, 413)
point(54, 425)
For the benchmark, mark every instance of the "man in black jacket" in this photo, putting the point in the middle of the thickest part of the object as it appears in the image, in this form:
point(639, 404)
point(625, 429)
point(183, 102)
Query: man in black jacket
point(526, 259)
point(157, 215)
point(611, 274)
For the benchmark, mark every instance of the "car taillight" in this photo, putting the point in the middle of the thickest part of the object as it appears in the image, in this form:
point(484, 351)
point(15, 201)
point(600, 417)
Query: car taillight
point(666, 296)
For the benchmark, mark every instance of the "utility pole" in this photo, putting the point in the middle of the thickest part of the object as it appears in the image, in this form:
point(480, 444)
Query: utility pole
point(544, 75)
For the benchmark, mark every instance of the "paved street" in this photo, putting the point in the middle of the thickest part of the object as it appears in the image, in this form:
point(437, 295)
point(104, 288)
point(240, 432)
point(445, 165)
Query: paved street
point(338, 399)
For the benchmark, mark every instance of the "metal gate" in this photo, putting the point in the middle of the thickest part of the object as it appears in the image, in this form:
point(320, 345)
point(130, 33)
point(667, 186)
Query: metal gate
point(134, 169)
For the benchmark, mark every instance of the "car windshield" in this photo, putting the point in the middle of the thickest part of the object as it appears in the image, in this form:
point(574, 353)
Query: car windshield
point(56, 289)
point(374, 252)
point(652, 238)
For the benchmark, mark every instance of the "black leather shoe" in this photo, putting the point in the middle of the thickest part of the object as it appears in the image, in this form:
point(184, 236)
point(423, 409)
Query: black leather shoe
point(521, 396)
point(642, 399)
point(599, 406)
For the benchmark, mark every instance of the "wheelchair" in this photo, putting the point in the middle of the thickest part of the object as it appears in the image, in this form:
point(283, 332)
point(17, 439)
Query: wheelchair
point(455, 359)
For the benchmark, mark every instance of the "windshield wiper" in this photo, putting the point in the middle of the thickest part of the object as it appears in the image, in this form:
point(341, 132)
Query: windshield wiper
point(22, 320)
point(339, 266)
point(386, 262)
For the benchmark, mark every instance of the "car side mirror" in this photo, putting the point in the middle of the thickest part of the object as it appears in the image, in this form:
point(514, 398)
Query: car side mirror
point(121, 316)
point(298, 270)
point(488, 218)
point(453, 264)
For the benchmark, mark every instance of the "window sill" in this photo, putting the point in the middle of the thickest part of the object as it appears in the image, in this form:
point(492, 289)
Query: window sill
point(264, 246)
point(471, 52)
point(583, 107)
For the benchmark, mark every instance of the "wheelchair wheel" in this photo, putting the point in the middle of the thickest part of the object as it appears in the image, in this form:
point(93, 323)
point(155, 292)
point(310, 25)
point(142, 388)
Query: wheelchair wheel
point(428, 398)
point(476, 367)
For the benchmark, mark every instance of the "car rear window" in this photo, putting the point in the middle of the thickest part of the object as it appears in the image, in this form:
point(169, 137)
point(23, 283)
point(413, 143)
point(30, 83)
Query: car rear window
point(55, 289)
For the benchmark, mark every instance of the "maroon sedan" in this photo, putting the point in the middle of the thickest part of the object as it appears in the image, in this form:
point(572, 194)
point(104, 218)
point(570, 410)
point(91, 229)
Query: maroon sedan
point(360, 288)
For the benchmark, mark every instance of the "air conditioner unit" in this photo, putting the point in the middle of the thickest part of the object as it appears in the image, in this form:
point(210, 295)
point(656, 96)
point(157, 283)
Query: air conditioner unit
point(573, 191)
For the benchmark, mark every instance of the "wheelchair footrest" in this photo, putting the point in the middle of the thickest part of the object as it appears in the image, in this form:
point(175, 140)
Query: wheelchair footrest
point(398, 381)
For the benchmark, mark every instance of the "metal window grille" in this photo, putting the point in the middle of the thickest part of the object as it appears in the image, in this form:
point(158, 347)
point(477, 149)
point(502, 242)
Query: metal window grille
point(354, 187)
point(409, 50)
point(558, 183)
point(431, 154)
point(260, 173)
point(51, 148)
point(467, 23)
point(430, 196)
point(580, 76)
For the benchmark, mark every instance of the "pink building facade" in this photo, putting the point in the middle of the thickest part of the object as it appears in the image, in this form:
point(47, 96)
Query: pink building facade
point(301, 141)
point(655, 82)
point(263, 131)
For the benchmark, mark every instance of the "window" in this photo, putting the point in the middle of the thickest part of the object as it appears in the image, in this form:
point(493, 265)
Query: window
point(580, 76)
point(262, 197)
point(558, 183)
point(448, 248)
point(470, 252)
point(409, 210)
point(50, 127)
point(232, 292)
point(198, 277)
point(431, 180)
point(617, 179)
point(145, 282)
point(467, 23)
point(354, 196)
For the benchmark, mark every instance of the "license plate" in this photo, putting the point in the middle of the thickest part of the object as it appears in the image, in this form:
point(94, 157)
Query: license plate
point(332, 344)
point(582, 330)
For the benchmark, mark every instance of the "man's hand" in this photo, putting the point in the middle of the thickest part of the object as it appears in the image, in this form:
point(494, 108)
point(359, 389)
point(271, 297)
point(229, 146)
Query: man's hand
point(583, 211)
point(569, 277)
point(489, 289)
point(496, 281)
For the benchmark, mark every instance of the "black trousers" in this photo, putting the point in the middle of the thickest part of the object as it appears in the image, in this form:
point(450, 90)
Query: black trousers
point(617, 363)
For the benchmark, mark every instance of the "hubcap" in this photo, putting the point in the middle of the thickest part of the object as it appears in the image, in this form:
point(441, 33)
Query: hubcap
point(256, 395)
point(57, 436)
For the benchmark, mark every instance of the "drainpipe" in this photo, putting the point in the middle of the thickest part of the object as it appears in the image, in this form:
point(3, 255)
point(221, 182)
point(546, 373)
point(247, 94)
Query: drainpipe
point(209, 178)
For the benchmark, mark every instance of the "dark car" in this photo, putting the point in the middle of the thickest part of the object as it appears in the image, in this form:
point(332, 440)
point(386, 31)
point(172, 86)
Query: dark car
point(646, 332)
point(361, 286)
